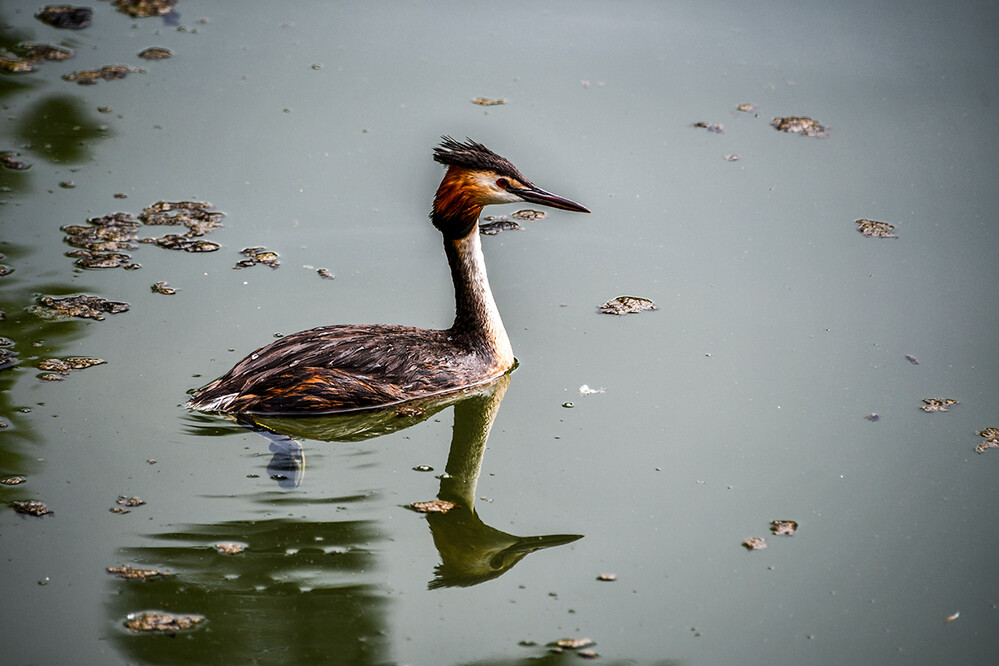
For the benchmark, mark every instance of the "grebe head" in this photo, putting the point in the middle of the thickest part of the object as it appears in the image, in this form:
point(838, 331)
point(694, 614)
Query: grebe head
point(477, 177)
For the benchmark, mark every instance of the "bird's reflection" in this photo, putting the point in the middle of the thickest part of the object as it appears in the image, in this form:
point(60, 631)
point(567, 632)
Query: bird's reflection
point(471, 552)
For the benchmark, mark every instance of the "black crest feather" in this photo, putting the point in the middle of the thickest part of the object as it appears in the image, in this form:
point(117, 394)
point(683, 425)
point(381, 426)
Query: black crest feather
point(473, 155)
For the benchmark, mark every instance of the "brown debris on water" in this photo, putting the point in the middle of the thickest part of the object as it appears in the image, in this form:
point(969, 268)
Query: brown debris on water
point(495, 224)
point(103, 239)
point(109, 233)
point(937, 404)
point(13, 480)
point(129, 573)
point(258, 255)
point(230, 548)
point(572, 643)
point(31, 507)
point(754, 543)
point(28, 54)
point(875, 229)
point(129, 501)
point(185, 243)
point(529, 215)
point(325, 274)
point(747, 108)
point(783, 527)
point(991, 440)
point(623, 305)
point(163, 288)
point(67, 17)
point(36, 52)
point(167, 623)
point(145, 8)
point(802, 125)
point(607, 577)
point(83, 307)
point(11, 159)
point(60, 368)
point(715, 129)
point(15, 65)
point(95, 259)
point(88, 77)
point(200, 217)
point(155, 53)
point(488, 101)
point(433, 506)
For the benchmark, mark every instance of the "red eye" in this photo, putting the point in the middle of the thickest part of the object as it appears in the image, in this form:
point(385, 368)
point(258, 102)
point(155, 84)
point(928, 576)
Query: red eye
point(502, 182)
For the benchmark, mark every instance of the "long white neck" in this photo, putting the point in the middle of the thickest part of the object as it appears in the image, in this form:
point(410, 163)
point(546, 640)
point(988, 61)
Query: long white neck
point(476, 314)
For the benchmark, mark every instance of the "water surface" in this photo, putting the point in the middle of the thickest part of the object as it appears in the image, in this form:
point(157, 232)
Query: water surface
point(741, 400)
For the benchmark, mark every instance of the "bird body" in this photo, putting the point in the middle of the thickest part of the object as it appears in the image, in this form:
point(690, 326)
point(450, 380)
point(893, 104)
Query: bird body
point(348, 367)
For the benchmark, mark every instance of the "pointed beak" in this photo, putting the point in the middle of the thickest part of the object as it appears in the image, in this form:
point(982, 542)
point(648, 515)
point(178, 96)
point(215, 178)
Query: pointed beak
point(538, 196)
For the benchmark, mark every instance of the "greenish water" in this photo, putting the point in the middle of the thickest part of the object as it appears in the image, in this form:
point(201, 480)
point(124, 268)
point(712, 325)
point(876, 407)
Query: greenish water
point(739, 401)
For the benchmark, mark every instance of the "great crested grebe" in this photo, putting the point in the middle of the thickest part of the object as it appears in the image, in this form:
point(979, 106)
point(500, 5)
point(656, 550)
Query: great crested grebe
point(348, 367)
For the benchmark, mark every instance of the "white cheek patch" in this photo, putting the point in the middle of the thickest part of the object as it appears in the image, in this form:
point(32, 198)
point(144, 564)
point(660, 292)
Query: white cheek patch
point(494, 194)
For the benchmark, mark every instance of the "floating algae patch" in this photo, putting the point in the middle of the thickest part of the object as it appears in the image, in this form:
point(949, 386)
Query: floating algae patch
point(11, 159)
point(102, 240)
point(31, 507)
point(802, 125)
point(145, 8)
point(163, 288)
point(67, 17)
point(95, 259)
point(163, 623)
point(937, 404)
point(529, 215)
point(783, 527)
point(24, 56)
point(623, 305)
point(433, 506)
point(155, 53)
point(88, 77)
point(8, 359)
point(496, 224)
point(82, 307)
point(711, 127)
point(129, 573)
point(183, 242)
point(572, 643)
point(258, 255)
point(60, 368)
point(108, 233)
point(990, 441)
point(200, 217)
point(875, 229)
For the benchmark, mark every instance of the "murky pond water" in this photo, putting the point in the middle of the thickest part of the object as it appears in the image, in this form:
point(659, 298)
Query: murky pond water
point(780, 378)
